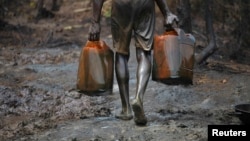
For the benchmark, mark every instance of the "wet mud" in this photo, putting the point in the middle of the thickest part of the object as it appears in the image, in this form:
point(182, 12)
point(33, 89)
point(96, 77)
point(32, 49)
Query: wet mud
point(39, 100)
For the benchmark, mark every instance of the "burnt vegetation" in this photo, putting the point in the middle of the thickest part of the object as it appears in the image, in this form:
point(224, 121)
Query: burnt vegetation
point(220, 26)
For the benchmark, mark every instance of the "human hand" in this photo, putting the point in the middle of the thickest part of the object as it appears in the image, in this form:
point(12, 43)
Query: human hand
point(169, 20)
point(94, 31)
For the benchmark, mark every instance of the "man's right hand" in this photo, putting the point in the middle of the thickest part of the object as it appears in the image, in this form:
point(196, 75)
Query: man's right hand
point(94, 31)
point(169, 21)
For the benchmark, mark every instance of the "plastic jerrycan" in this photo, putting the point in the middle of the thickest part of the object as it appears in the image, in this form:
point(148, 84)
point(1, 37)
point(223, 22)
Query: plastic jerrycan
point(96, 69)
point(187, 50)
point(173, 57)
point(166, 57)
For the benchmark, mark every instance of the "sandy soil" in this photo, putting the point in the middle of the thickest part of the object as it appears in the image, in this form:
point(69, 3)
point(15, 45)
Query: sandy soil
point(39, 100)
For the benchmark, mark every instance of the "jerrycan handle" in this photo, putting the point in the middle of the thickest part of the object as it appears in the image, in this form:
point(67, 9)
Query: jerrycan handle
point(99, 44)
point(170, 29)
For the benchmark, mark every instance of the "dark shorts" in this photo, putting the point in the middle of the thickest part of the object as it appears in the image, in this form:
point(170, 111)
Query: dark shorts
point(128, 16)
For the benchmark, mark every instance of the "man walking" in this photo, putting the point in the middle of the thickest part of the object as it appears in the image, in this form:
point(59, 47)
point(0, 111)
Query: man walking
point(129, 17)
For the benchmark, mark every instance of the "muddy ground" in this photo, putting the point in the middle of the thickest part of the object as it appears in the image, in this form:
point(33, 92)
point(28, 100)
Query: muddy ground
point(39, 100)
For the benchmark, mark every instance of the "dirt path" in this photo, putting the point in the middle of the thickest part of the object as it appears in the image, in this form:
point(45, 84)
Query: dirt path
point(38, 100)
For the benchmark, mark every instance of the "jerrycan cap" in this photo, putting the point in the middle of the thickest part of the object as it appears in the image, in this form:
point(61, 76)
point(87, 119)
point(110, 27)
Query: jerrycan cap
point(185, 37)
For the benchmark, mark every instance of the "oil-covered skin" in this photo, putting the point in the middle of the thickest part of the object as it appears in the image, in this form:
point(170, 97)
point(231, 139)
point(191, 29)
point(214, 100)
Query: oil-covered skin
point(127, 17)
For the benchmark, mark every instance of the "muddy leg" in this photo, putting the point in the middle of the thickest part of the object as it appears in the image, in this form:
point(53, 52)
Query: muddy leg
point(55, 5)
point(42, 12)
point(122, 74)
point(39, 9)
point(143, 74)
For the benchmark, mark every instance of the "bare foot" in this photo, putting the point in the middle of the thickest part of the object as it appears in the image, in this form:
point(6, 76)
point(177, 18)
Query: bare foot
point(140, 118)
point(124, 116)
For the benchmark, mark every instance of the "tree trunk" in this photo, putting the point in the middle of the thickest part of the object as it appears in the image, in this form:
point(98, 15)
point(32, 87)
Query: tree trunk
point(211, 47)
point(184, 14)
